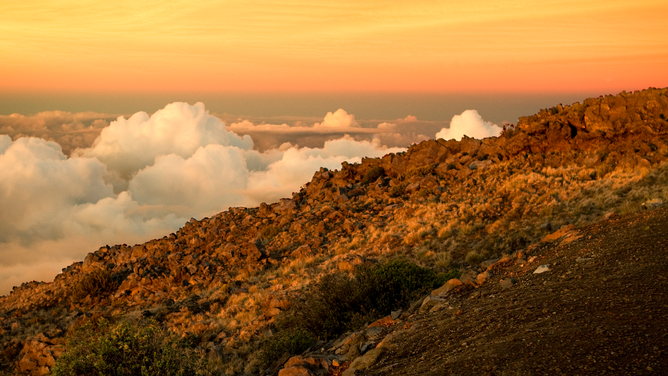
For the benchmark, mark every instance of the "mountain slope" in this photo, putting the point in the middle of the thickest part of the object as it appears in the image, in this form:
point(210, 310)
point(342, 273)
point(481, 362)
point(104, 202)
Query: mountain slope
point(600, 309)
point(223, 280)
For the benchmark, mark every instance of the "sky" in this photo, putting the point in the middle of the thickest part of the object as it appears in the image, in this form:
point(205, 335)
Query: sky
point(119, 121)
point(431, 46)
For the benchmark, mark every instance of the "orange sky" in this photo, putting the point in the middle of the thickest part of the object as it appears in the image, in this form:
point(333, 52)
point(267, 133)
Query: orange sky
point(339, 46)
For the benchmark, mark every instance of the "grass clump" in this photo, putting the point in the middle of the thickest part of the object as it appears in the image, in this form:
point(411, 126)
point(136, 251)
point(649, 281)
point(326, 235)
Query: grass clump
point(126, 348)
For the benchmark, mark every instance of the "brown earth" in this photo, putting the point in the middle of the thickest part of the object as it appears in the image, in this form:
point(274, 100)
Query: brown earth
point(602, 308)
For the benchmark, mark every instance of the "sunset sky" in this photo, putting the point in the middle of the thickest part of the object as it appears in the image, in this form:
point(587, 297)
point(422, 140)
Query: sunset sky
point(333, 46)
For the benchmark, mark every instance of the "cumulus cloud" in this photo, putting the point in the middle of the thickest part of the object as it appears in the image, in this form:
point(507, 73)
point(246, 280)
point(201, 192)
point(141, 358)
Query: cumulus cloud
point(387, 126)
point(338, 119)
point(471, 124)
point(177, 163)
point(128, 145)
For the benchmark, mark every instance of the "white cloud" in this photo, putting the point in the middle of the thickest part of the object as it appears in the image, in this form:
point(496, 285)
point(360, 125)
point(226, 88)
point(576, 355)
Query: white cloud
point(338, 119)
point(210, 180)
point(471, 124)
point(387, 126)
point(128, 145)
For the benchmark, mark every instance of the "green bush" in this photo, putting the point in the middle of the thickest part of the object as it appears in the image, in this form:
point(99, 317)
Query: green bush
point(294, 341)
point(125, 348)
point(373, 174)
point(338, 303)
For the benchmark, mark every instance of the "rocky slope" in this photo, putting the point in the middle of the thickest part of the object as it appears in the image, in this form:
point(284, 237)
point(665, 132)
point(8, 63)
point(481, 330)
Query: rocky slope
point(591, 301)
point(443, 204)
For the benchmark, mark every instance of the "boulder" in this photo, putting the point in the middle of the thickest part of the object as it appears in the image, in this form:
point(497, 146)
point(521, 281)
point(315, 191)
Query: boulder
point(365, 361)
point(447, 287)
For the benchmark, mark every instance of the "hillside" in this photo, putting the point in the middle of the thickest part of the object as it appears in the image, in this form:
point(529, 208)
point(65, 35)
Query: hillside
point(599, 309)
point(447, 205)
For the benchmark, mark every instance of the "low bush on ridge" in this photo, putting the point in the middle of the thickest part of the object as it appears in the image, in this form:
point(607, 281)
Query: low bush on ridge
point(140, 347)
point(338, 303)
point(97, 283)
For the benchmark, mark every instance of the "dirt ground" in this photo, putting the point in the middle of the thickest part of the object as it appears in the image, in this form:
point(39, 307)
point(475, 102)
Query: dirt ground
point(602, 308)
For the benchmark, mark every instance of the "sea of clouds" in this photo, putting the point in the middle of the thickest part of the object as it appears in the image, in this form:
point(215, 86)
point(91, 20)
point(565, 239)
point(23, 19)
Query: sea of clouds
point(64, 194)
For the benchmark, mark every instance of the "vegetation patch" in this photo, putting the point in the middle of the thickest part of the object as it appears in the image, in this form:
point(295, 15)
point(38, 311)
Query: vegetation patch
point(338, 302)
point(126, 348)
point(98, 283)
point(292, 341)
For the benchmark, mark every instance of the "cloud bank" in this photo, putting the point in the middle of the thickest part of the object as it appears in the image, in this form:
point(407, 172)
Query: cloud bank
point(335, 125)
point(69, 130)
point(143, 177)
point(471, 124)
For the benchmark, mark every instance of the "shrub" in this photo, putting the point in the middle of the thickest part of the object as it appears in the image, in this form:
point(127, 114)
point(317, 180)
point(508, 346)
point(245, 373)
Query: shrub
point(125, 348)
point(293, 342)
point(98, 283)
point(337, 303)
point(373, 174)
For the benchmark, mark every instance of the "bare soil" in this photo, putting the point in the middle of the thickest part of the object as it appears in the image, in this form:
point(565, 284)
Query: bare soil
point(602, 308)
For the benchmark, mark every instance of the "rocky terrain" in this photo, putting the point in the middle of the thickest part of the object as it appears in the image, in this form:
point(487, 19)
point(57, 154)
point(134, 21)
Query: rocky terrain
point(560, 189)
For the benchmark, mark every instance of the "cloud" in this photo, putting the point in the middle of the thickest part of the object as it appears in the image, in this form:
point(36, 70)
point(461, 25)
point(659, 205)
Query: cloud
point(387, 126)
point(128, 145)
point(338, 119)
point(469, 123)
point(266, 136)
point(212, 179)
point(143, 177)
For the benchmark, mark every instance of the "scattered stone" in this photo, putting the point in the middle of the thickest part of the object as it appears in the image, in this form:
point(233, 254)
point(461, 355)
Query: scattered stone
point(482, 277)
point(610, 215)
point(507, 283)
point(652, 204)
point(542, 269)
point(468, 277)
point(429, 302)
point(487, 263)
point(363, 362)
point(563, 231)
point(583, 259)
